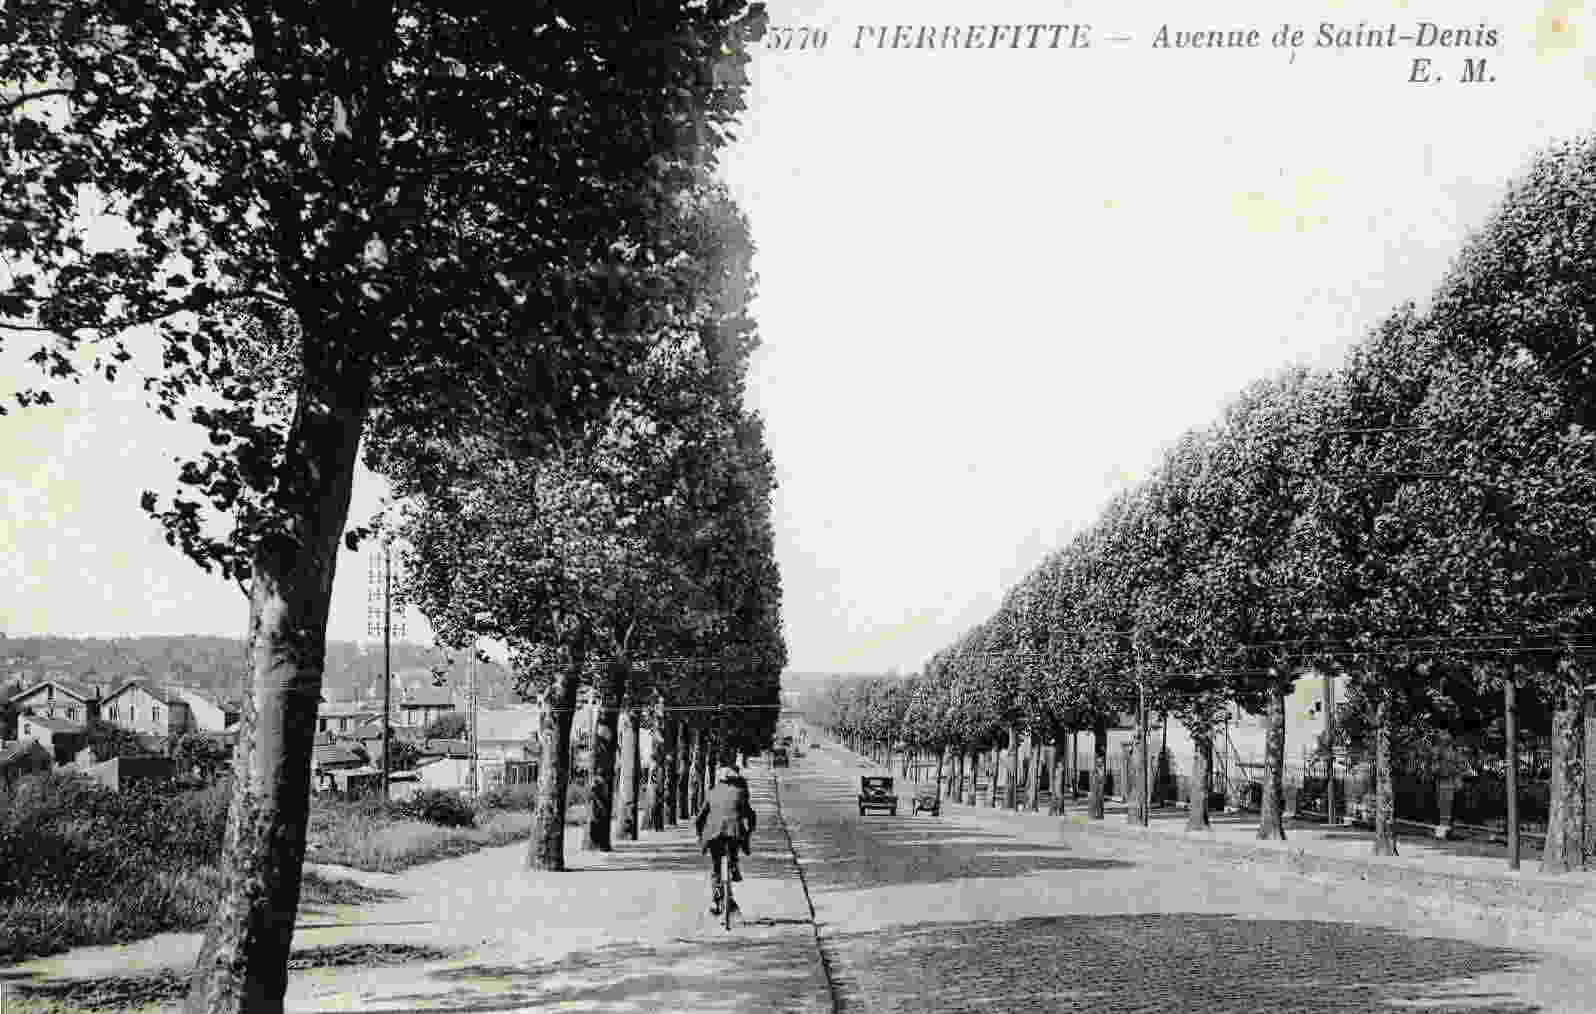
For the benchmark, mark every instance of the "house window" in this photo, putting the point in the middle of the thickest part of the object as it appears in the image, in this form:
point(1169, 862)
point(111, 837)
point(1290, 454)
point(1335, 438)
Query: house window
point(132, 714)
point(113, 712)
point(49, 693)
point(72, 713)
point(323, 725)
point(155, 714)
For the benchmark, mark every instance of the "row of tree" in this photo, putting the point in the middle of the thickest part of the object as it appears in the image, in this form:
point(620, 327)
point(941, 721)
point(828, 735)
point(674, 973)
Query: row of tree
point(457, 241)
point(1420, 519)
point(638, 557)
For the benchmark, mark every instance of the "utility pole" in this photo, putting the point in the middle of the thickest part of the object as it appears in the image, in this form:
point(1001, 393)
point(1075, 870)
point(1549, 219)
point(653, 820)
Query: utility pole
point(476, 775)
point(1141, 734)
point(1330, 747)
point(1510, 705)
point(380, 617)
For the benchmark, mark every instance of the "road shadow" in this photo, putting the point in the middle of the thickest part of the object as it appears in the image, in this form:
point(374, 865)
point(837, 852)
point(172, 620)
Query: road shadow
point(1214, 964)
point(770, 857)
point(719, 973)
point(853, 854)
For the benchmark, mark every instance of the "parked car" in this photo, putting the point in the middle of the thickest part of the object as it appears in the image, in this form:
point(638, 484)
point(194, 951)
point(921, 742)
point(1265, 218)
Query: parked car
point(875, 793)
point(928, 799)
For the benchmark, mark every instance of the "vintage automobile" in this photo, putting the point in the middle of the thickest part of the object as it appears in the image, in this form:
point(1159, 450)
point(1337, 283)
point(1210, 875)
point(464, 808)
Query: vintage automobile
point(875, 793)
point(926, 798)
point(778, 758)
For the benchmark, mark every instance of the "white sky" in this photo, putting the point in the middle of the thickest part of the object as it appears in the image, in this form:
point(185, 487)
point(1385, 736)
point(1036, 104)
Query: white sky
point(993, 285)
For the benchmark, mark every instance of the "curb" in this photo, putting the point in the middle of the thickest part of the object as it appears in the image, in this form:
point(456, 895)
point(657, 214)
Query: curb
point(833, 999)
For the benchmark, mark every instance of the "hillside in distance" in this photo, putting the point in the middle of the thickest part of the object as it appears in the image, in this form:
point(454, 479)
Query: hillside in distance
point(218, 665)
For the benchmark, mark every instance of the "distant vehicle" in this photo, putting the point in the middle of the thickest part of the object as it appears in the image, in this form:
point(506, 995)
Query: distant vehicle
point(927, 799)
point(875, 793)
point(778, 758)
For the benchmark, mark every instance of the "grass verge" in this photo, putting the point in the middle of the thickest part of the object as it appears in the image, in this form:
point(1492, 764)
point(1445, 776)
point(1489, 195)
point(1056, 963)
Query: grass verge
point(166, 902)
point(132, 992)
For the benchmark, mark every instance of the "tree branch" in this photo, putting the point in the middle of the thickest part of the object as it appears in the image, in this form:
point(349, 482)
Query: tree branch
point(21, 100)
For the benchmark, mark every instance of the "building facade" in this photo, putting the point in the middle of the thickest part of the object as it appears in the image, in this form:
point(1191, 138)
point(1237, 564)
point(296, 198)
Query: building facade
point(61, 699)
point(149, 708)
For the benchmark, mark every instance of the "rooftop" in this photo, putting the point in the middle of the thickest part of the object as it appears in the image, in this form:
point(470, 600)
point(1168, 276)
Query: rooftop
point(428, 697)
point(76, 689)
point(159, 691)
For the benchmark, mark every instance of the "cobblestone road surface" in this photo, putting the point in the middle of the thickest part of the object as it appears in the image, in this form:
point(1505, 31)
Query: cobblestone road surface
point(949, 914)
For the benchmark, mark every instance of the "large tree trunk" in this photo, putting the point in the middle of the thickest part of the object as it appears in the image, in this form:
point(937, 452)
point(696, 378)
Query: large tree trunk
point(1133, 780)
point(685, 745)
point(1011, 791)
point(243, 963)
point(1565, 822)
point(993, 795)
point(1094, 802)
point(664, 770)
point(1271, 819)
point(1589, 772)
point(695, 774)
point(942, 759)
point(1074, 764)
point(554, 769)
point(1055, 803)
point(1384, 794)
point(601, 776)
point(1033, 784)
point(1200, 781)
point(624, 824)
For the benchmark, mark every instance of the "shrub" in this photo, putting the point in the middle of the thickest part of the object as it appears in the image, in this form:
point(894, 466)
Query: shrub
point(440, 807)
point(508, 797)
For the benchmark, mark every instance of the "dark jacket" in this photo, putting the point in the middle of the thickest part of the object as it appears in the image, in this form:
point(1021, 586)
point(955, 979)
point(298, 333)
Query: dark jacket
point(726, 813)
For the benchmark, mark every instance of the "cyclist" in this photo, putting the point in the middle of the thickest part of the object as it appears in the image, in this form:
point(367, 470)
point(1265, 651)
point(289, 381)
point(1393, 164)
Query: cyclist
point(725, 824)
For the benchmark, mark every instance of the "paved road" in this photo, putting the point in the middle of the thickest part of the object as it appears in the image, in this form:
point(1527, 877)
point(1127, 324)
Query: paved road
point(957, 914)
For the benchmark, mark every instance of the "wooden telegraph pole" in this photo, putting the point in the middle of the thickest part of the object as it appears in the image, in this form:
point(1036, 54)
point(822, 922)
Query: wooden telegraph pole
point(380, 619)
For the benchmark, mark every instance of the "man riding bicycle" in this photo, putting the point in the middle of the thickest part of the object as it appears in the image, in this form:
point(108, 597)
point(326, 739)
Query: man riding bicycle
point(725, 824)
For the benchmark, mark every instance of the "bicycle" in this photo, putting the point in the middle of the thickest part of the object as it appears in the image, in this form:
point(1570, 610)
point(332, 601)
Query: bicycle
point(727, 904)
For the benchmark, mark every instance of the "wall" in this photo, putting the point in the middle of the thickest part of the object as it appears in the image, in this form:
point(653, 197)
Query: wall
point(138, 710)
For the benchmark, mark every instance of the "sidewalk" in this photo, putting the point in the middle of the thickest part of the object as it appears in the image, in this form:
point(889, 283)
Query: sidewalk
point(626, 930)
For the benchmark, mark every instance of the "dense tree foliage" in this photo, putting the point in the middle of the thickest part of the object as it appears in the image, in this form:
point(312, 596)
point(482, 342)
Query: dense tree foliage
point(366, 230)
point(1419, 519)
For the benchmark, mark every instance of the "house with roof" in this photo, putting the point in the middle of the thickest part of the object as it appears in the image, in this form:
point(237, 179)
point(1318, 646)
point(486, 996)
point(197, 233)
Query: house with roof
point(506, 737)
point(330, 756)
point(145, 706)
point(209, 712)
point(24, 757)
point(421, 706)
point(343, 717)
point(59, 698)
point(57, 735)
